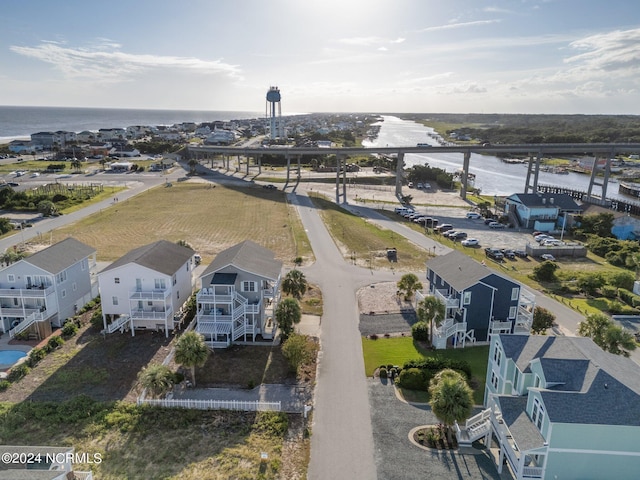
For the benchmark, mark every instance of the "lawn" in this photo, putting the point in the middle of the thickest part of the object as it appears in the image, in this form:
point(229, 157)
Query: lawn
point(397, 350)
point(209, 218)
point(365, 242)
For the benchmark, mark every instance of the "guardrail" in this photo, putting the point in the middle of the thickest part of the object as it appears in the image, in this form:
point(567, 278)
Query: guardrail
point(241, 405)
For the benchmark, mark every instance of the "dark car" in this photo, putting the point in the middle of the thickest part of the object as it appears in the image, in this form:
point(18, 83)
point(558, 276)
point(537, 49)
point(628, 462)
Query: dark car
point(457, 235)
point(487, 221)
point(445, 227)
point(508, 253)
point(494, 253)
point(521, 253)
point(269, 187)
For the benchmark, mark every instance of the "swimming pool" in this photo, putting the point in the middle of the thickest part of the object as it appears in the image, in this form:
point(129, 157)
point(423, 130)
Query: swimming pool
point(9, 357)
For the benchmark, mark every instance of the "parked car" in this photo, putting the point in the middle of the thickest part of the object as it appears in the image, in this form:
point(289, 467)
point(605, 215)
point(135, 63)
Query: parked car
point(548, 256)
point(521, 253)
point(508, 253)
point(551, 242)
point(445, 227)
point(470, 242)
point(473, 215)
point(494, 253)
point(541, 238)
point(487, 221)
point(497, 225)
point(269, 187)
point(431, 222)
point(457, 235)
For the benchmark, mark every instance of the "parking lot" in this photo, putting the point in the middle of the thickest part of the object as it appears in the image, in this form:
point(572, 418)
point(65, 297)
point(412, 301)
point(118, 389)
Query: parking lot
point(511, 238)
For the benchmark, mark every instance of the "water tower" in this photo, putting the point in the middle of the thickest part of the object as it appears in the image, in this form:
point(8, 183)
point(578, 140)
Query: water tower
point(273, 113)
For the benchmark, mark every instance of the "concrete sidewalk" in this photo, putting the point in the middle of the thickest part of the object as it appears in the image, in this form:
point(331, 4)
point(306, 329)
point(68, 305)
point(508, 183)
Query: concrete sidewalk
point(292, 397)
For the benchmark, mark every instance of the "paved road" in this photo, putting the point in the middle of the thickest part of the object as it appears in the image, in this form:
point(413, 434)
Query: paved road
point(342, 441)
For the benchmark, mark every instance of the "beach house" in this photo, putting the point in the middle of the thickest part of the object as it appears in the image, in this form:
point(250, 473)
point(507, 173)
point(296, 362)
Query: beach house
point(41, 291)
point(146, 287)
point(478, 301)
point(239, 295)
point(559, 407)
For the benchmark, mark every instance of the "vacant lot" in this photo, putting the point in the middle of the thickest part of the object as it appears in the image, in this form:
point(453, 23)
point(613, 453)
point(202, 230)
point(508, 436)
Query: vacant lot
point(209, 218)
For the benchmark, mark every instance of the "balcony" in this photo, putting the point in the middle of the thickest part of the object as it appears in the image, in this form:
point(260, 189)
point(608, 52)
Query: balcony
point(150, 294)
point(152, 314)
point(33, 292)
point(448, 300)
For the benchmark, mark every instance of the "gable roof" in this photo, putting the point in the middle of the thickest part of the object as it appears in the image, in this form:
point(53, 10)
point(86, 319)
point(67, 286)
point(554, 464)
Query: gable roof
point(61, 255)
point(588, 384)
point(458, 270)
point(247, 256)
point(161, 256)
point(546, 200)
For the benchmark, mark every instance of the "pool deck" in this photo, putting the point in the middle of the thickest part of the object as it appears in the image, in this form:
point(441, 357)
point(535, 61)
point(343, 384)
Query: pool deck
point(5, 345)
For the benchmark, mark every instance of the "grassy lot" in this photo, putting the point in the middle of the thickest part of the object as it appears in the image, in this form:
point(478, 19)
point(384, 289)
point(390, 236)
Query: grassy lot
point(369, 242)
point(143, 442)
point(397, 350)
point(206, 218)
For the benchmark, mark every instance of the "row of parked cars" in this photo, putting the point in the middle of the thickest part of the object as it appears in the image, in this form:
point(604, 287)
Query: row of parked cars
point(413, 216)
point(500, 254)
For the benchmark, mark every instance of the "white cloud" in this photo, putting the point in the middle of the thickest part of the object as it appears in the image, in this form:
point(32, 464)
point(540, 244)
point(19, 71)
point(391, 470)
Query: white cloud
point(370, 41)
point(617, 50)
point(451, 26)
point(104, 61)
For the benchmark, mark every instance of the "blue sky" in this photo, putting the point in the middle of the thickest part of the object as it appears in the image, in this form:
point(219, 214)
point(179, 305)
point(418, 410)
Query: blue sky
point(516, 56)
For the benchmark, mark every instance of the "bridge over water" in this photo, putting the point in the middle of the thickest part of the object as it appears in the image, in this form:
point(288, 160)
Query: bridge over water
point(535, 152)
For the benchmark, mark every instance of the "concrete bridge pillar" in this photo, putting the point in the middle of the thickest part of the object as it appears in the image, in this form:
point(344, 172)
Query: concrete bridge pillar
point(465, 175)
point(399, 174)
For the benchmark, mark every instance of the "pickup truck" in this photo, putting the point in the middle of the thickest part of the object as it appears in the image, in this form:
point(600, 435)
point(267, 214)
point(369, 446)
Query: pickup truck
point(494, 253)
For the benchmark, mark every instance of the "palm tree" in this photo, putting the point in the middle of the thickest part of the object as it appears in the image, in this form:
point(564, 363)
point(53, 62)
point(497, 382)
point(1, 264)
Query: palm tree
point(294, 284)
point(408, 285)
point(157, 379)
point(191, 352)
point(288, 314)
point(619, 341)
point(432, 310)
point(451, 398)
point(192, 165)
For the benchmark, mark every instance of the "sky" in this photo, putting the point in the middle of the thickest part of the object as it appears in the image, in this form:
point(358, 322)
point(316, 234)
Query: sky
point(379, 56)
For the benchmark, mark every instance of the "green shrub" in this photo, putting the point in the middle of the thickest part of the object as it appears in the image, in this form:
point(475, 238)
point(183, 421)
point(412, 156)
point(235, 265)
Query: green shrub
point(628, 297)
point(383, 372)
point(413, 379)
point(96, 319)
point(54, 342)
point(420, 331)
point(17, 372)
point(35, 355)
point(69, 329)
point(4, 384)
point(609, 291)
point(433, 365)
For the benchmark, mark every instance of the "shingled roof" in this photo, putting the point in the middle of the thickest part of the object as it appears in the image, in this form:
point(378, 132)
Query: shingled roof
point(459, 270)
point(60, 256)
point(161, 256)
point(247, 256)
point(586, 384)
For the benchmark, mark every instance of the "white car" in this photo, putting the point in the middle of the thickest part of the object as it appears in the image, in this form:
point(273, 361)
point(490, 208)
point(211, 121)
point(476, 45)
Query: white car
point(470, 242)
point(548, 256)
point(496, 225)
point(473, 215)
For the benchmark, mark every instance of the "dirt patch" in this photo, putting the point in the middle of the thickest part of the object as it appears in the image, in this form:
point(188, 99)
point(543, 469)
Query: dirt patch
point(103, 368)
point(382, 298)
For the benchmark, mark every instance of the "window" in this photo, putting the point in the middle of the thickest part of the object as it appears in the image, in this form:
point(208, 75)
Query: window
point(494, 380)
point(536, 383)
point(497, 356)
point(160, 284)
point(116, 280)
point(515, 293)
point(174, 281)
point(512, 312)
point(62, 276)
point(466, 299)
point(11, 278)
point(249, 286)
point(74, 286)
point(516, 374)
point(537, 414)
point(64, 293)
point(83, 264)
point(114, 300)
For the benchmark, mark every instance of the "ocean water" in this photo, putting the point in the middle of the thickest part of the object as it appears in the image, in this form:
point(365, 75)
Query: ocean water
point(21, 122)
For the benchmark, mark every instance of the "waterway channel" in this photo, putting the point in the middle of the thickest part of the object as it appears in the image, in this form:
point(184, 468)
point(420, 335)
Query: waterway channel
point(492, 175)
